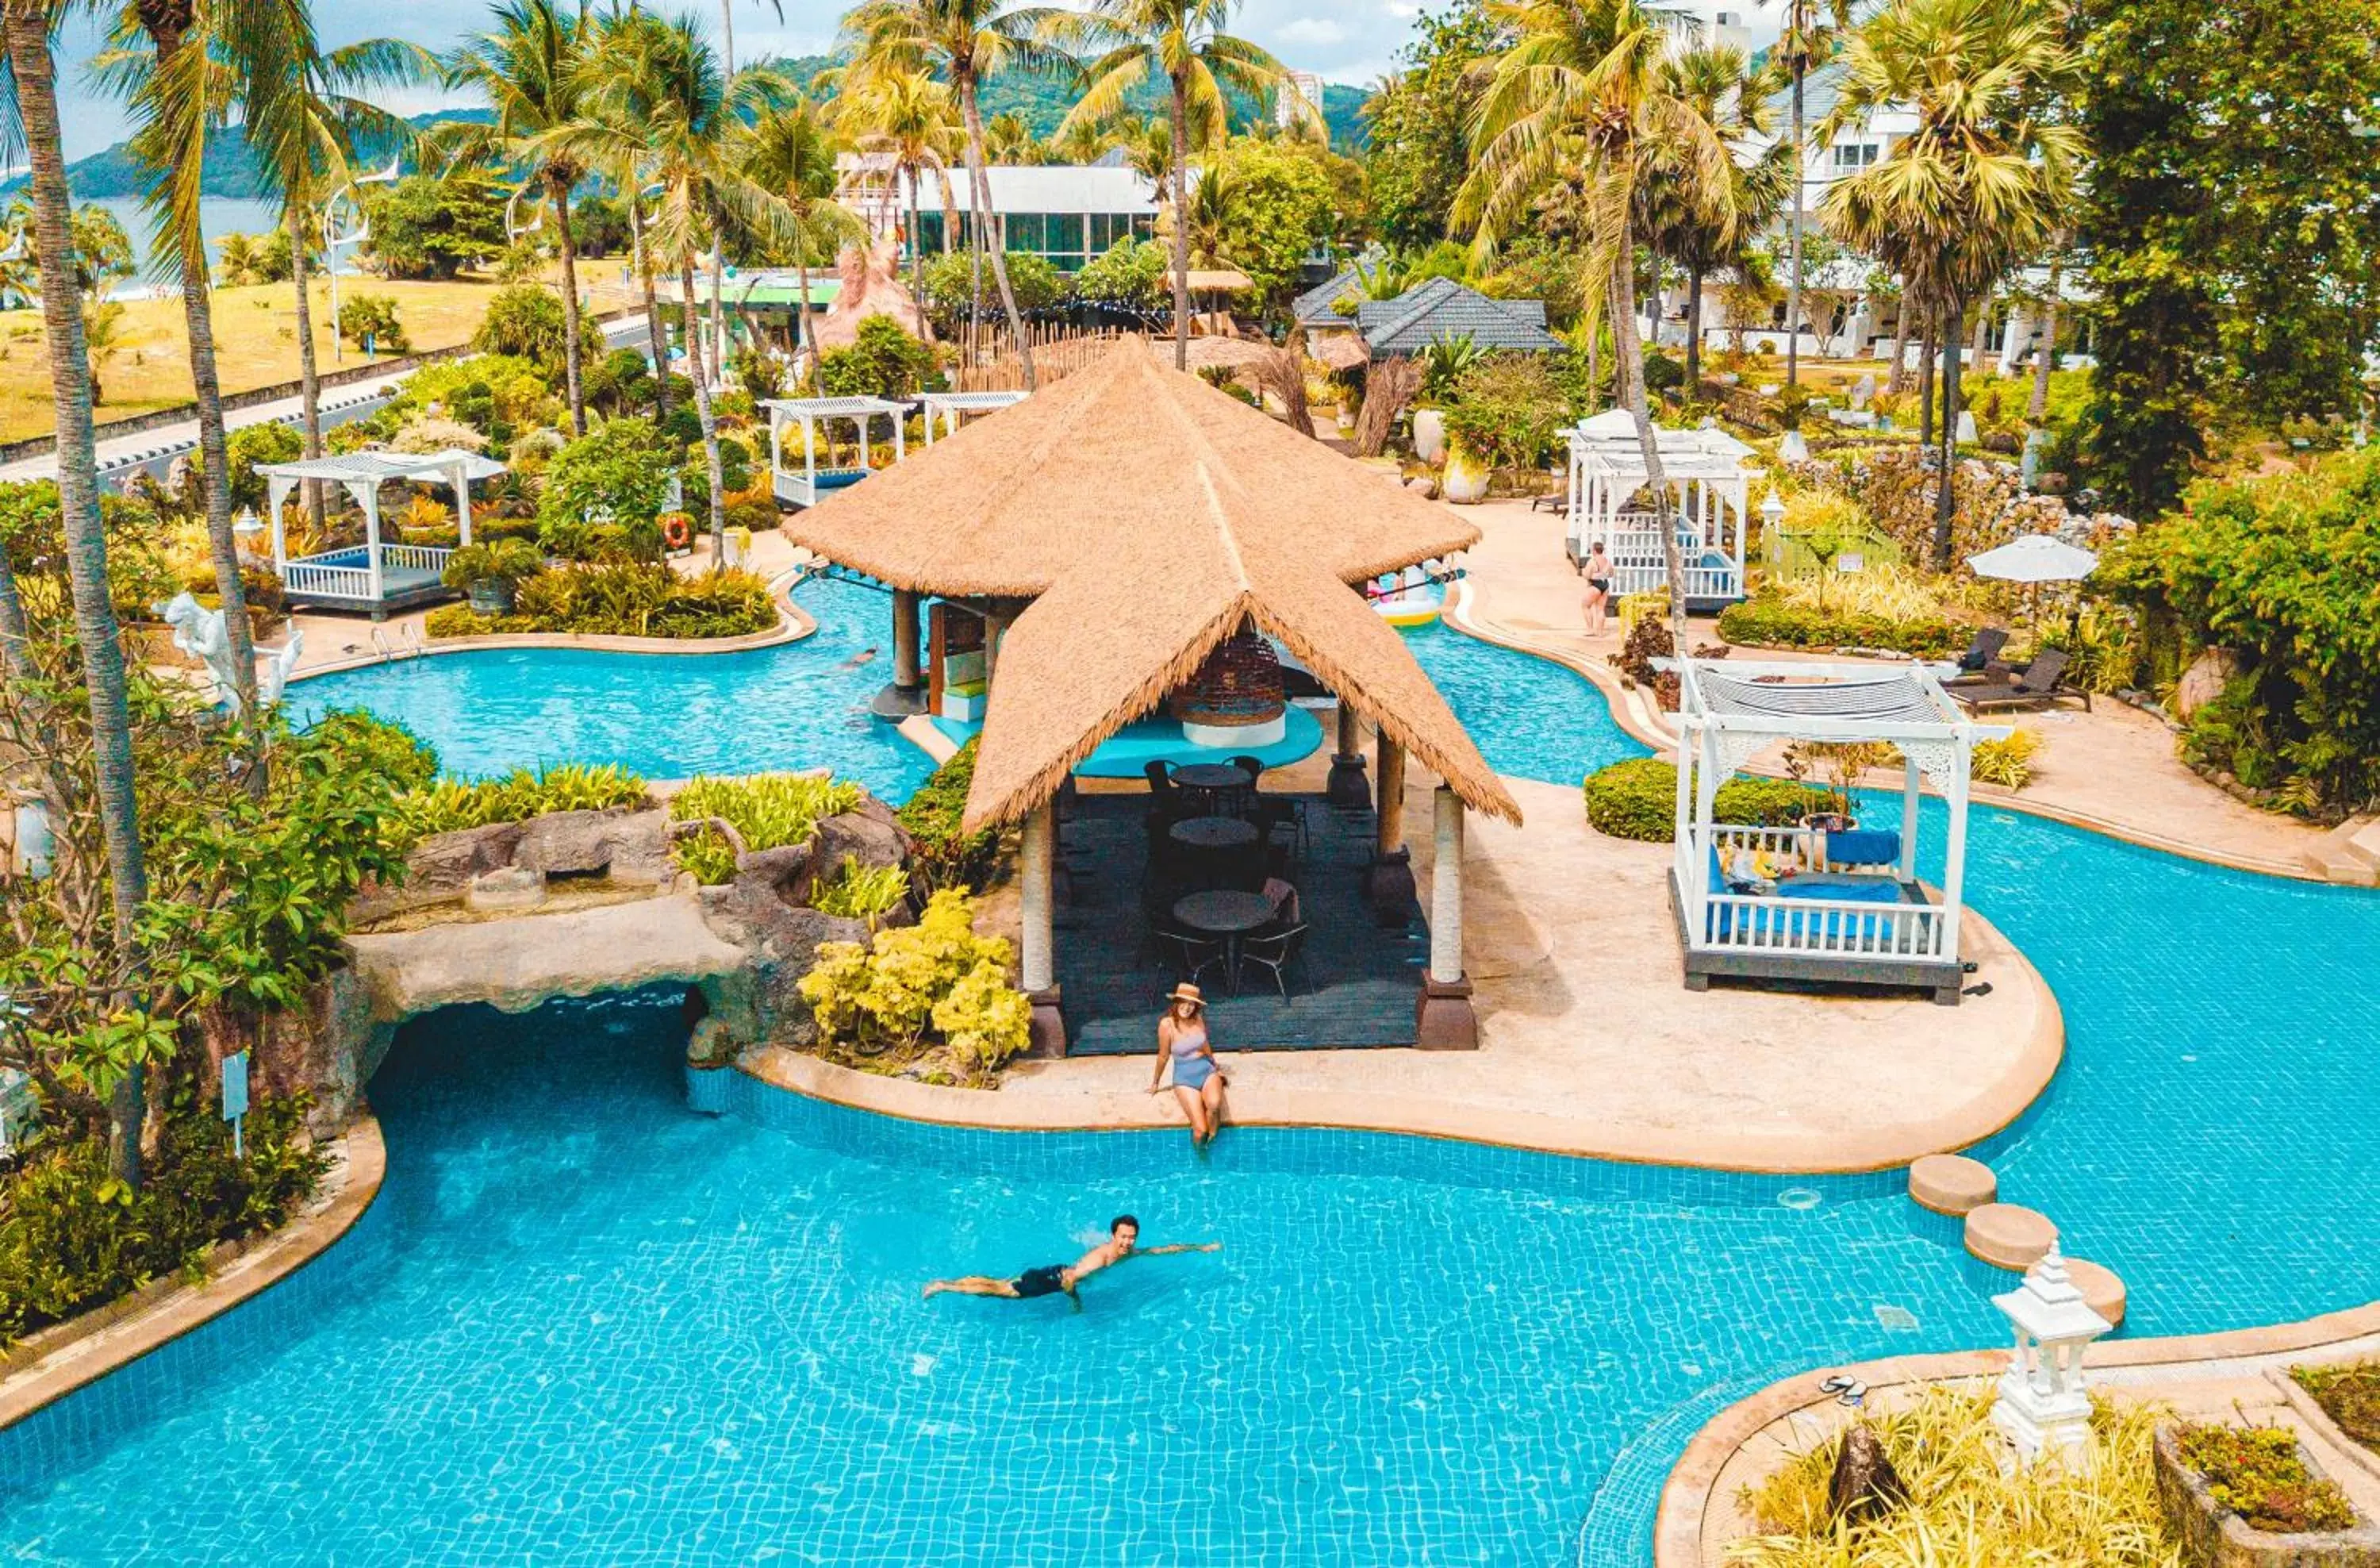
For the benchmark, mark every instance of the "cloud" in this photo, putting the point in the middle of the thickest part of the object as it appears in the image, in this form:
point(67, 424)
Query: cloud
point(1312, 29)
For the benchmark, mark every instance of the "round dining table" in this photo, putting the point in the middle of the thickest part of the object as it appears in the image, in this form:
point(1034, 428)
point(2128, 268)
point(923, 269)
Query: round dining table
point(1228, 914)
point(1213, 834)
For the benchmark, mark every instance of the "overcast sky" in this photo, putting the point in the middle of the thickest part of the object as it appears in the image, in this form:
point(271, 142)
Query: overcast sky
point(1347, 40)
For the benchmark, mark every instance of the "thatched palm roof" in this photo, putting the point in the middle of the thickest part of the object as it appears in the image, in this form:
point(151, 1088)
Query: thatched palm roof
point(1148, 515)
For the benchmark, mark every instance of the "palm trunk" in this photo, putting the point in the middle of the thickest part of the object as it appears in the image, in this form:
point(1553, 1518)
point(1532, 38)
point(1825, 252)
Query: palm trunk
point(27, 29)
point(655, 333)
point(1630, 349)
point(982, 215)
point(309, 379)
point(1694, 333)
point(719, 311)
point(1946, 501)
point(1793, 242)
point(2045, 357)
point(571, 353)
point(1981, 344)
point(712, 471)
point(1181, 182)
point(1925, 386)
point(916, 255)
point(214, 453)
point(1897, 376)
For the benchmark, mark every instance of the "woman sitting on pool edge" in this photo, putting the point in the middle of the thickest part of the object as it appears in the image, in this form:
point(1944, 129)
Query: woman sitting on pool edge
point(1197, 1078)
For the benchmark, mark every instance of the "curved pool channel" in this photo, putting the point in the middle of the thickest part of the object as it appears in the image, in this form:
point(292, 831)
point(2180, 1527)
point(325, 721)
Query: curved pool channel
point(581, 1325)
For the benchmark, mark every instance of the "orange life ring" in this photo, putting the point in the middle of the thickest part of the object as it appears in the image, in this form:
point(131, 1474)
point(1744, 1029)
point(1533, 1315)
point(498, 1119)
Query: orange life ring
point(677, 531)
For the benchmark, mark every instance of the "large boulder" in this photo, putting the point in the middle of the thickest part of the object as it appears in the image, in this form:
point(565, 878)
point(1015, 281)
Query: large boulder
point(2203, 682)
point(438, 871)
point(640, 844)
point(567, 843)
point(874, 840)
point(781, 941)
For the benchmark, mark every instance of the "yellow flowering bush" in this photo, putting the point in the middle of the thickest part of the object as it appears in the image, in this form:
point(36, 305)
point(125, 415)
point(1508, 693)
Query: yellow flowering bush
point(880, 1001)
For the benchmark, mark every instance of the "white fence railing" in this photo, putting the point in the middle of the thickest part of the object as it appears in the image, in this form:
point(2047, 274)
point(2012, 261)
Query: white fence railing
point(342, 574)
point(326, 582)
point(1720, 921)
point(414, 557)
point(1639, 564)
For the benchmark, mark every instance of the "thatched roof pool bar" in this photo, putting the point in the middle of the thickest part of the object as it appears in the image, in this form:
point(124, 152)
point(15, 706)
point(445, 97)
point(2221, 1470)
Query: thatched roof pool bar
point(1113, 533)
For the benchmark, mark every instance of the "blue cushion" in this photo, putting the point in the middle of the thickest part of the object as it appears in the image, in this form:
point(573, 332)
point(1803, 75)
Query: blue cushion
point(1864, 846)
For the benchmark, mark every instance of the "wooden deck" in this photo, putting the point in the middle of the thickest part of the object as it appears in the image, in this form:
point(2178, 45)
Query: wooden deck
point(1355, 986)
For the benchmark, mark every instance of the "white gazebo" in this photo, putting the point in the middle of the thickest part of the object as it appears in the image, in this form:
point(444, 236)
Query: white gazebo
point(371, 575)
point(949, 409)
point(1709, 487)
point(805, 488)
point(1818, 903)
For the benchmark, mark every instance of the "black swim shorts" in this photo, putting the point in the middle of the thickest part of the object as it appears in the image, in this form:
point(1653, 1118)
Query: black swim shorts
point(1047, 1281)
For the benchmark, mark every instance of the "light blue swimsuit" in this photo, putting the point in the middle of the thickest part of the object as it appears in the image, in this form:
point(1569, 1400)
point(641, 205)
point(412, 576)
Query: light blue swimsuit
point(1191, 1070)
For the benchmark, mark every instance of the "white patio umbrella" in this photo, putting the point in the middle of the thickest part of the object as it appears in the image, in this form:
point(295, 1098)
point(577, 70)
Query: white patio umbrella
point(2036, 558)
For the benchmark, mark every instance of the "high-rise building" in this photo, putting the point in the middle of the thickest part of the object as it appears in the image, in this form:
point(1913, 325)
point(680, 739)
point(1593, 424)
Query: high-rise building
point(1300, 98)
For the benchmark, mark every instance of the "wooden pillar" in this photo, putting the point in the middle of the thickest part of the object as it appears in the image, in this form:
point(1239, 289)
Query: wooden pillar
point(995, 623)
point(1348, 786)
point(1038, 955)
point(1444, 1019)
point(1389, 885)
point(904, 638)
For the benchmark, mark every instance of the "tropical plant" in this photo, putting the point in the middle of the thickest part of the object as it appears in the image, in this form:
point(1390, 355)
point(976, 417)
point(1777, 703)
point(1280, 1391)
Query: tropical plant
point(510, 561)
point(2260, 1474)
point(2007, 762)
point(788, 150)
point(372, 318)
point(432, 227)
point(1809, 36)
point(909, 117)
point(1129, 277)
point(1581, 90)
point(617, 473)
point(1637, 799)
point(946, 854)
point(761, 811)
point(953, 295)
point(2349, 1394)
point(878, 1003)
point(1981, 184)
point(524, 322)
point(1184, 42)
point(962, 43)
point(449, 806)
point(1506, 411)
point(853, 891)
point(1445, 361)
point(883, 361)
point(120, 978)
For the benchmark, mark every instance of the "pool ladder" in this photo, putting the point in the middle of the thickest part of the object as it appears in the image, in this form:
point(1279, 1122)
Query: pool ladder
point(405, 648)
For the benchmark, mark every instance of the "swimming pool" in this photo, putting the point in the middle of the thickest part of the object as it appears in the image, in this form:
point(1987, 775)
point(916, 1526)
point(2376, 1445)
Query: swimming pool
point(666, 715)
point(583, 1326)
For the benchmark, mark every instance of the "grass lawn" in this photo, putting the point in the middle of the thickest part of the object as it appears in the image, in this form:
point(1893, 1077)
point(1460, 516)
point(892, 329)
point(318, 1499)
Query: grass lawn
point(256, 343)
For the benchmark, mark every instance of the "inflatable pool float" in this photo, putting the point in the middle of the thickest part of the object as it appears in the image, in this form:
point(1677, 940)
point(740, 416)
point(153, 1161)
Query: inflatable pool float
point(1411, 599)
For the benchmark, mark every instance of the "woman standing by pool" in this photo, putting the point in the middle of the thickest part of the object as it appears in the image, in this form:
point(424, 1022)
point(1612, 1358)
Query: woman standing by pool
point(1197, 1078)
point(1598, 567)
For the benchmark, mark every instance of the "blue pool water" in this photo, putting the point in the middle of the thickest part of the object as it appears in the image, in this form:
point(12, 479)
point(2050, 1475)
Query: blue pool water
point(583, 1326)
point(667, 716)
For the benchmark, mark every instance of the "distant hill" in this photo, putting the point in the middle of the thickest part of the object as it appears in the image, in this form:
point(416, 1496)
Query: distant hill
point(231, 167)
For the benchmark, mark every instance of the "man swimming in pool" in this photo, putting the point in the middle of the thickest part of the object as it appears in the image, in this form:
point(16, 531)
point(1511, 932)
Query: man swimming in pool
point(1124, 1234)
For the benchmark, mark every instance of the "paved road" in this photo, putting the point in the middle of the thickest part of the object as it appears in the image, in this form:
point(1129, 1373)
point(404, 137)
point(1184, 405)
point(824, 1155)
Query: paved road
point(153, 451)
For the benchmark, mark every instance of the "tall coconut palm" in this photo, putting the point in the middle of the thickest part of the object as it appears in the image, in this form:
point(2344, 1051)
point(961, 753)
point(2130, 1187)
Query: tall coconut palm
point(965, 42)
point(25, 26)
point(1580, 93)
point(1718, 85)
point(908, 117)
point(656, 93)
point(529, 66)
point(182, 66)
point(306, 144)
point(1182, 41)
point(1811, 31)
point(1978, 187)
point(787, 151)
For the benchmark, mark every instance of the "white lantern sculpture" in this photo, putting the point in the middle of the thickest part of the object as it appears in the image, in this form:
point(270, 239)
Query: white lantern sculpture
point(2042, 1406)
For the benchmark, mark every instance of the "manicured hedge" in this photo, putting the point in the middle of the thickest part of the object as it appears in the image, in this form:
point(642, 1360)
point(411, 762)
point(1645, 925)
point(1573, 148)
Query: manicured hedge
point(1770, 623)
point(1638, 799)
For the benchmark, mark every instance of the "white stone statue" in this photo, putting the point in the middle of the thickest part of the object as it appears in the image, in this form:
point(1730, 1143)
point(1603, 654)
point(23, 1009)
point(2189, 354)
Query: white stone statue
point(279, 665)
point(1863, 391)
point(199, 632)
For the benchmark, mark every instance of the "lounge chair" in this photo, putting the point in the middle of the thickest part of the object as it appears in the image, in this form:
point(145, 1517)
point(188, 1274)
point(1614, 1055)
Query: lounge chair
point(2037, 684)
point(1982, 653)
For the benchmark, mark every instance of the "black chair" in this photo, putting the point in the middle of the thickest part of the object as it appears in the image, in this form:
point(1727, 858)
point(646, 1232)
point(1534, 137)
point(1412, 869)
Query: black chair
point(1274, 952)
point(1188, 953)
point(1248, 765)
point(1282, 819)
point(1982, 653)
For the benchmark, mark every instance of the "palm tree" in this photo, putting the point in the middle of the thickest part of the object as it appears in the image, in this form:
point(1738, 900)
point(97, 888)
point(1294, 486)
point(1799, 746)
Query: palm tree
point(1716, 83)
point(1149, 150)
point(25, 26)
point(181, 67)
point(1978, 187)
point(306, 147)
point(1580, 92)
point(789, 153)
point(964, 42)
point(908, 117)
point(1808, 37)
point(529, 67)
point(1008, 140)
point(1184, 42)
point(655, 94)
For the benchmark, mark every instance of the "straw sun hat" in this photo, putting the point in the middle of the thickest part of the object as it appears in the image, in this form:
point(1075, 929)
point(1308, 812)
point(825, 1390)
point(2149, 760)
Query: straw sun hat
point(1188, 992)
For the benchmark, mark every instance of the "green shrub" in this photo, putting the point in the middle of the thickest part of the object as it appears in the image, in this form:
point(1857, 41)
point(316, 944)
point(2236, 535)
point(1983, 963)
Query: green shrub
point(883, 361)
point(853, 891)
point(945, 855)
point(1768, 622)
point(1638, 799)
point(1506, 411)
point(2258, 1473)
point(767, 810)
point(1131, 275)
point(878, 1003)
point(2007, 762)
point(377, 747)
point(618, 472)
point(624, 599)
point(373, 316)
point(506, 560)
point(948, 283)
point(72, 1237)
point(451, 804)
point(524, 319)
point(2350, 1395)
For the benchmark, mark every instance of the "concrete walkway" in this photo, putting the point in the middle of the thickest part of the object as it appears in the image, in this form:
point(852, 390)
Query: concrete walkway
point(2113, 768)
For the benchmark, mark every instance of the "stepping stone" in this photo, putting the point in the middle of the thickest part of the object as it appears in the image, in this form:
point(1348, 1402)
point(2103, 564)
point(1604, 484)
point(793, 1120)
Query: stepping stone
point(1952, 1183)
point(2008, 1237)
point(2102, 1290)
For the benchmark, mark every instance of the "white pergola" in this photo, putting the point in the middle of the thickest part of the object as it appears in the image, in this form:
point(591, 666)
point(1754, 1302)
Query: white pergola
point(803, 488)
point(1709, 487)
point(949, 409)
point(359, 576)
point(1805, 903)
